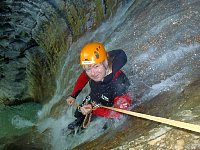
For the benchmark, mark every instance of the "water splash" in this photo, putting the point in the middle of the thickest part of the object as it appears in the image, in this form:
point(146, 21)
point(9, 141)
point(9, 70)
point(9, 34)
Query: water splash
point(20, 122)
point(155, 37)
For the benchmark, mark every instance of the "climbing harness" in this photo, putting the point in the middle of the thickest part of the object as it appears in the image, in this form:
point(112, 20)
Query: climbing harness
point(87, 118)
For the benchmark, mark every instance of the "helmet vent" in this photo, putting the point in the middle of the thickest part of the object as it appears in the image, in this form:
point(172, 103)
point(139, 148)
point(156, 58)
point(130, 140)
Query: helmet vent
point(96, 53)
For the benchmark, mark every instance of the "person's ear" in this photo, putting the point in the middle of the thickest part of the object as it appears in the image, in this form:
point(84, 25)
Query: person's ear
point(105, 62)
point(107, 55)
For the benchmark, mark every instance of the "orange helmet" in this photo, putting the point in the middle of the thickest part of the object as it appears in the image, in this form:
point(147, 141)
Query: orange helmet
point(92, 53)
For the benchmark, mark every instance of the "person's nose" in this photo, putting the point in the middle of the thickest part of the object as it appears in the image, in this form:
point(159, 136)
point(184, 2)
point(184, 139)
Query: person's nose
point(93, 72)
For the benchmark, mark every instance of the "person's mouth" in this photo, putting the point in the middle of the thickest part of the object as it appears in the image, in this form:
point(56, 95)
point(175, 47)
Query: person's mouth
point(96, 77)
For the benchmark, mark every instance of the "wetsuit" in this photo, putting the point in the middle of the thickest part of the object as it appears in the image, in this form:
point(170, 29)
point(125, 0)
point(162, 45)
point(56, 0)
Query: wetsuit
point(112, 91)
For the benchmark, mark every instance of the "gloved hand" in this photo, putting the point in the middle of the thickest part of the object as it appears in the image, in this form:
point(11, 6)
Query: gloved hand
point(70, 100)
point(86, 109)
point(122, 102)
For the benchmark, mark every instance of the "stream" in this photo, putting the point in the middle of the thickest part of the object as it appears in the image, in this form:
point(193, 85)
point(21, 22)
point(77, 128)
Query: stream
point(162, 41)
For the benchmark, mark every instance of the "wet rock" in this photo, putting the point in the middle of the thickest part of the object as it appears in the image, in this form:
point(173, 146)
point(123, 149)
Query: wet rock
point(25, 142)
point(137, 134)
point(24, 22)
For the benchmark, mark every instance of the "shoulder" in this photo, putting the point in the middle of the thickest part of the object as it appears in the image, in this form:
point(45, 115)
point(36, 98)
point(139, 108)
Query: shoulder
point(117, 53)
point(120, 76)
point(119, 59)
point(120, 83)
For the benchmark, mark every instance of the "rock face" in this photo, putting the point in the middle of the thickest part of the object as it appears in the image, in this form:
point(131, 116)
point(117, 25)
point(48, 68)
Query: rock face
point(161, 39)
point(30, 28)
point(144, 134)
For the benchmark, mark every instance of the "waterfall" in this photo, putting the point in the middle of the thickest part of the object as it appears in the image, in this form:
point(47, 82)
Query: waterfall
point(161, 39)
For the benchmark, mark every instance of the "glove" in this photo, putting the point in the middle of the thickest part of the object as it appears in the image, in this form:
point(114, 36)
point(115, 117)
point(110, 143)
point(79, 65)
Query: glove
point(122, 102)
point(86, 109)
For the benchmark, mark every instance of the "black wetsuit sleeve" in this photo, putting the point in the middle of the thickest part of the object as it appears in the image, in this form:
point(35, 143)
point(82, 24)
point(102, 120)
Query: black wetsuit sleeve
point(120, 85)
point(119, 59)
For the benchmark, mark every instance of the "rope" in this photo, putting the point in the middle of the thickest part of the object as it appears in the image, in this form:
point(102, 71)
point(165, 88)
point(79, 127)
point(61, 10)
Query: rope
point(179, 124)
point(88, 119)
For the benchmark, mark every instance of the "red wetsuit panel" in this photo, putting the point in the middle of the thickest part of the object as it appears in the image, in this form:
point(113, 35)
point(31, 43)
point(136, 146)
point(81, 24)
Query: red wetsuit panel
point(110, 92)
point(80, 84)
point(122, 102)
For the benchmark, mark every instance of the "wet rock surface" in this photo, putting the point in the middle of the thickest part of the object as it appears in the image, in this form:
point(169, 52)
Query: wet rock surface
point(24, 22)
point(161, 39)
point(30, 141)
point(140, 134)
point(137, 134)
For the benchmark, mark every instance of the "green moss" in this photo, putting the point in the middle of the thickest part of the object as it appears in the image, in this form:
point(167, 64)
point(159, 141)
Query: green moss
point(111, 7)
point(99, 11)
point(43, 67)
point(23, 34)
point(76, 17)
point(37, 75)
point(54, 38)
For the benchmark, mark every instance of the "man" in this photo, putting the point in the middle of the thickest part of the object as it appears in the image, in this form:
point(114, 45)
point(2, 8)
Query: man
point(108, 83)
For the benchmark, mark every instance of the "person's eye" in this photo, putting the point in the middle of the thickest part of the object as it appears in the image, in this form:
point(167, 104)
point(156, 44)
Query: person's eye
point(96, 66)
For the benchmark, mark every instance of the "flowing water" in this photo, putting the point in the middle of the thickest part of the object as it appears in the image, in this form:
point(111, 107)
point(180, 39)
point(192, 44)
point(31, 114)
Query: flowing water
point(162, 41)
point(17, 120)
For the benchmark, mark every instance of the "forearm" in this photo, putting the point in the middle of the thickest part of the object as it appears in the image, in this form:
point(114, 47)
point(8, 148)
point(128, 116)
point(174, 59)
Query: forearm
point(80, 84)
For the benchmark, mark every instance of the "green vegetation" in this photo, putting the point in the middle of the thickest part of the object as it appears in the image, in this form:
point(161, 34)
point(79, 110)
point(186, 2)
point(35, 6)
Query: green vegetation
point(43, 66)
point(99, 11)
point(54, 38)
point(77, 20)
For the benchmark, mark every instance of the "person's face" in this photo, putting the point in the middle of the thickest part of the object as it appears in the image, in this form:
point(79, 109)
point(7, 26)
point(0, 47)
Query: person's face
point(96, 72)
